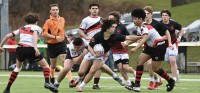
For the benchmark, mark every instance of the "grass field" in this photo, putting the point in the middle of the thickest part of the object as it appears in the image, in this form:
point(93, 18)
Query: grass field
point(32, 82)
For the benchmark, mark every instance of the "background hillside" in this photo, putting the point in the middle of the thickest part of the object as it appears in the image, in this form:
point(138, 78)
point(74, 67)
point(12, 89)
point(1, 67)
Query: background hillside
point(75, 10)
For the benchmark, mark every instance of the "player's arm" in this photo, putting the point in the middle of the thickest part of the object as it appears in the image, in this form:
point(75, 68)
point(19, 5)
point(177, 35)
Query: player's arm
point(78, 59)
point(35, 39)
point(81, 32)
point(168, 36)
point(133, 38)
point(180, 34)
point(45, 31)
point(143, 40)
point(5, 39)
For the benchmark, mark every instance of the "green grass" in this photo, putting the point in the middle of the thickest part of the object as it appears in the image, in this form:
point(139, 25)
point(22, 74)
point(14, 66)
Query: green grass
point(108, 85)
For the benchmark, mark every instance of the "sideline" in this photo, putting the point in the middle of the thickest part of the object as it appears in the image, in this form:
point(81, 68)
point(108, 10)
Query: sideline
point(102, 77)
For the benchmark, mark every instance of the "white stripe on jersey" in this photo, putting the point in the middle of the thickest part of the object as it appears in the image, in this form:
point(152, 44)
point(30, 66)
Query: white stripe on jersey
point(27, 38)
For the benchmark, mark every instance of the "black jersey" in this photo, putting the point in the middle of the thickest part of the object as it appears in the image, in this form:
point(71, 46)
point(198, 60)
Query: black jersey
point(107, 44)
point(172, 26)
point(117, 47)
point(159, 27)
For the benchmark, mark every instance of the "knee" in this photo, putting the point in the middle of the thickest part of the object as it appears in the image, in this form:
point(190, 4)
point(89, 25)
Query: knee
point(81, 73)
point(52, 66)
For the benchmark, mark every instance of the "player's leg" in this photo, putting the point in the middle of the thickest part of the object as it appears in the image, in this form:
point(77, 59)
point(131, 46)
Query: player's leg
point(46, 72)
point(151, 74)
point(61, 75)
point(96, 79)
point(53, 63)
point(97, 64)
point(13, 76)
point(123, 73)
point(84, 66)
point(172, 58)
point(163, 74)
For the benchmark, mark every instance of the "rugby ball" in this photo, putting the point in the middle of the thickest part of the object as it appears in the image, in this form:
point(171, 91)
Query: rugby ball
point(98, 49)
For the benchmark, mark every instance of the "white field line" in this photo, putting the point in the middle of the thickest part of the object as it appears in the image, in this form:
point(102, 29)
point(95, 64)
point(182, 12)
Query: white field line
point(102, 77)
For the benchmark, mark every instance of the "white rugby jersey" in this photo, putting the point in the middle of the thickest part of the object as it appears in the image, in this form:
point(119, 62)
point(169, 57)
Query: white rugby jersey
point(75, 53)
point(91, 25)
point(154, 37)
point(26, 34)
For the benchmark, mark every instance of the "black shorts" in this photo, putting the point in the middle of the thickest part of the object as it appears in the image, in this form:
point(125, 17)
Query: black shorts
point(68, 56)
point(156, 53)
point(56, 49)
point(27, 53)
point(124, 61)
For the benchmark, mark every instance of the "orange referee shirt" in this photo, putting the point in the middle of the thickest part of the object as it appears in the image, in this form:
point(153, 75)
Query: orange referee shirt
point(54, 27)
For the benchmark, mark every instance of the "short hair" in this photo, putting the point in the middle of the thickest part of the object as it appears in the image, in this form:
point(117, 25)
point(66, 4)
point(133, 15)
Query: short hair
point(149, 9)
point(78, 41)
point(165, 11)
point(31, 18)
point(139, 13)
point(53, 5)
point(93, 4)
point(107, 23)
point(116, 14)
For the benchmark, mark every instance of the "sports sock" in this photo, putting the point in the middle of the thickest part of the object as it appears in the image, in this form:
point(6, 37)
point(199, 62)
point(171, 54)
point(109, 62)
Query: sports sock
point(46, 72)
point(164, 74)
point(139, 73)
point(12, 78)
point(96, 80)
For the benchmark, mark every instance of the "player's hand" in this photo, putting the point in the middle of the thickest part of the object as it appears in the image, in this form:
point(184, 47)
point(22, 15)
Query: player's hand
point(178, 40)
point(59, 38)
point(1, 50)
point(133, 50)
point(37, 52)
point(85, 51)
point(124, 44)
point(68, 39)
point(171, 46)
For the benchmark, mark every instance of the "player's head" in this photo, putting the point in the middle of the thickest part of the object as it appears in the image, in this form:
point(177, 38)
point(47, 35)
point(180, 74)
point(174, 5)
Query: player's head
point(78, 43)
point(138, 16)
point(109, 25)
point(166, 15)
point(31, 18)
point(94, 9)
point(54, 10)
point(149, 12)
point(114, 14)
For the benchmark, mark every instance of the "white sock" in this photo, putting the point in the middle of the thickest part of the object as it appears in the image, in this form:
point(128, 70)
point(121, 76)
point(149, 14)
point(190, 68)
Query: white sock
point(82, 84)
point(158, 79)
point(56, 82)
point(115, 75)
point(128, 82)
point(174, 78)
point(152, 79)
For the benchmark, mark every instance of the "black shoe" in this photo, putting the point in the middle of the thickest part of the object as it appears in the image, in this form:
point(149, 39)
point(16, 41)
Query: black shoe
point(73, 83)
point(136, 87)
point(96, 87)
point(130, 87)
point(56, 85)
point(50, 87)
point(170, 85)
point(6, 91)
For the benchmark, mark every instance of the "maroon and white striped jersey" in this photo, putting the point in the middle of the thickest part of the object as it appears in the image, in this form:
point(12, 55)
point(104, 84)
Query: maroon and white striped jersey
point(26, 34)
point(154, 37)
point(91, 25)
